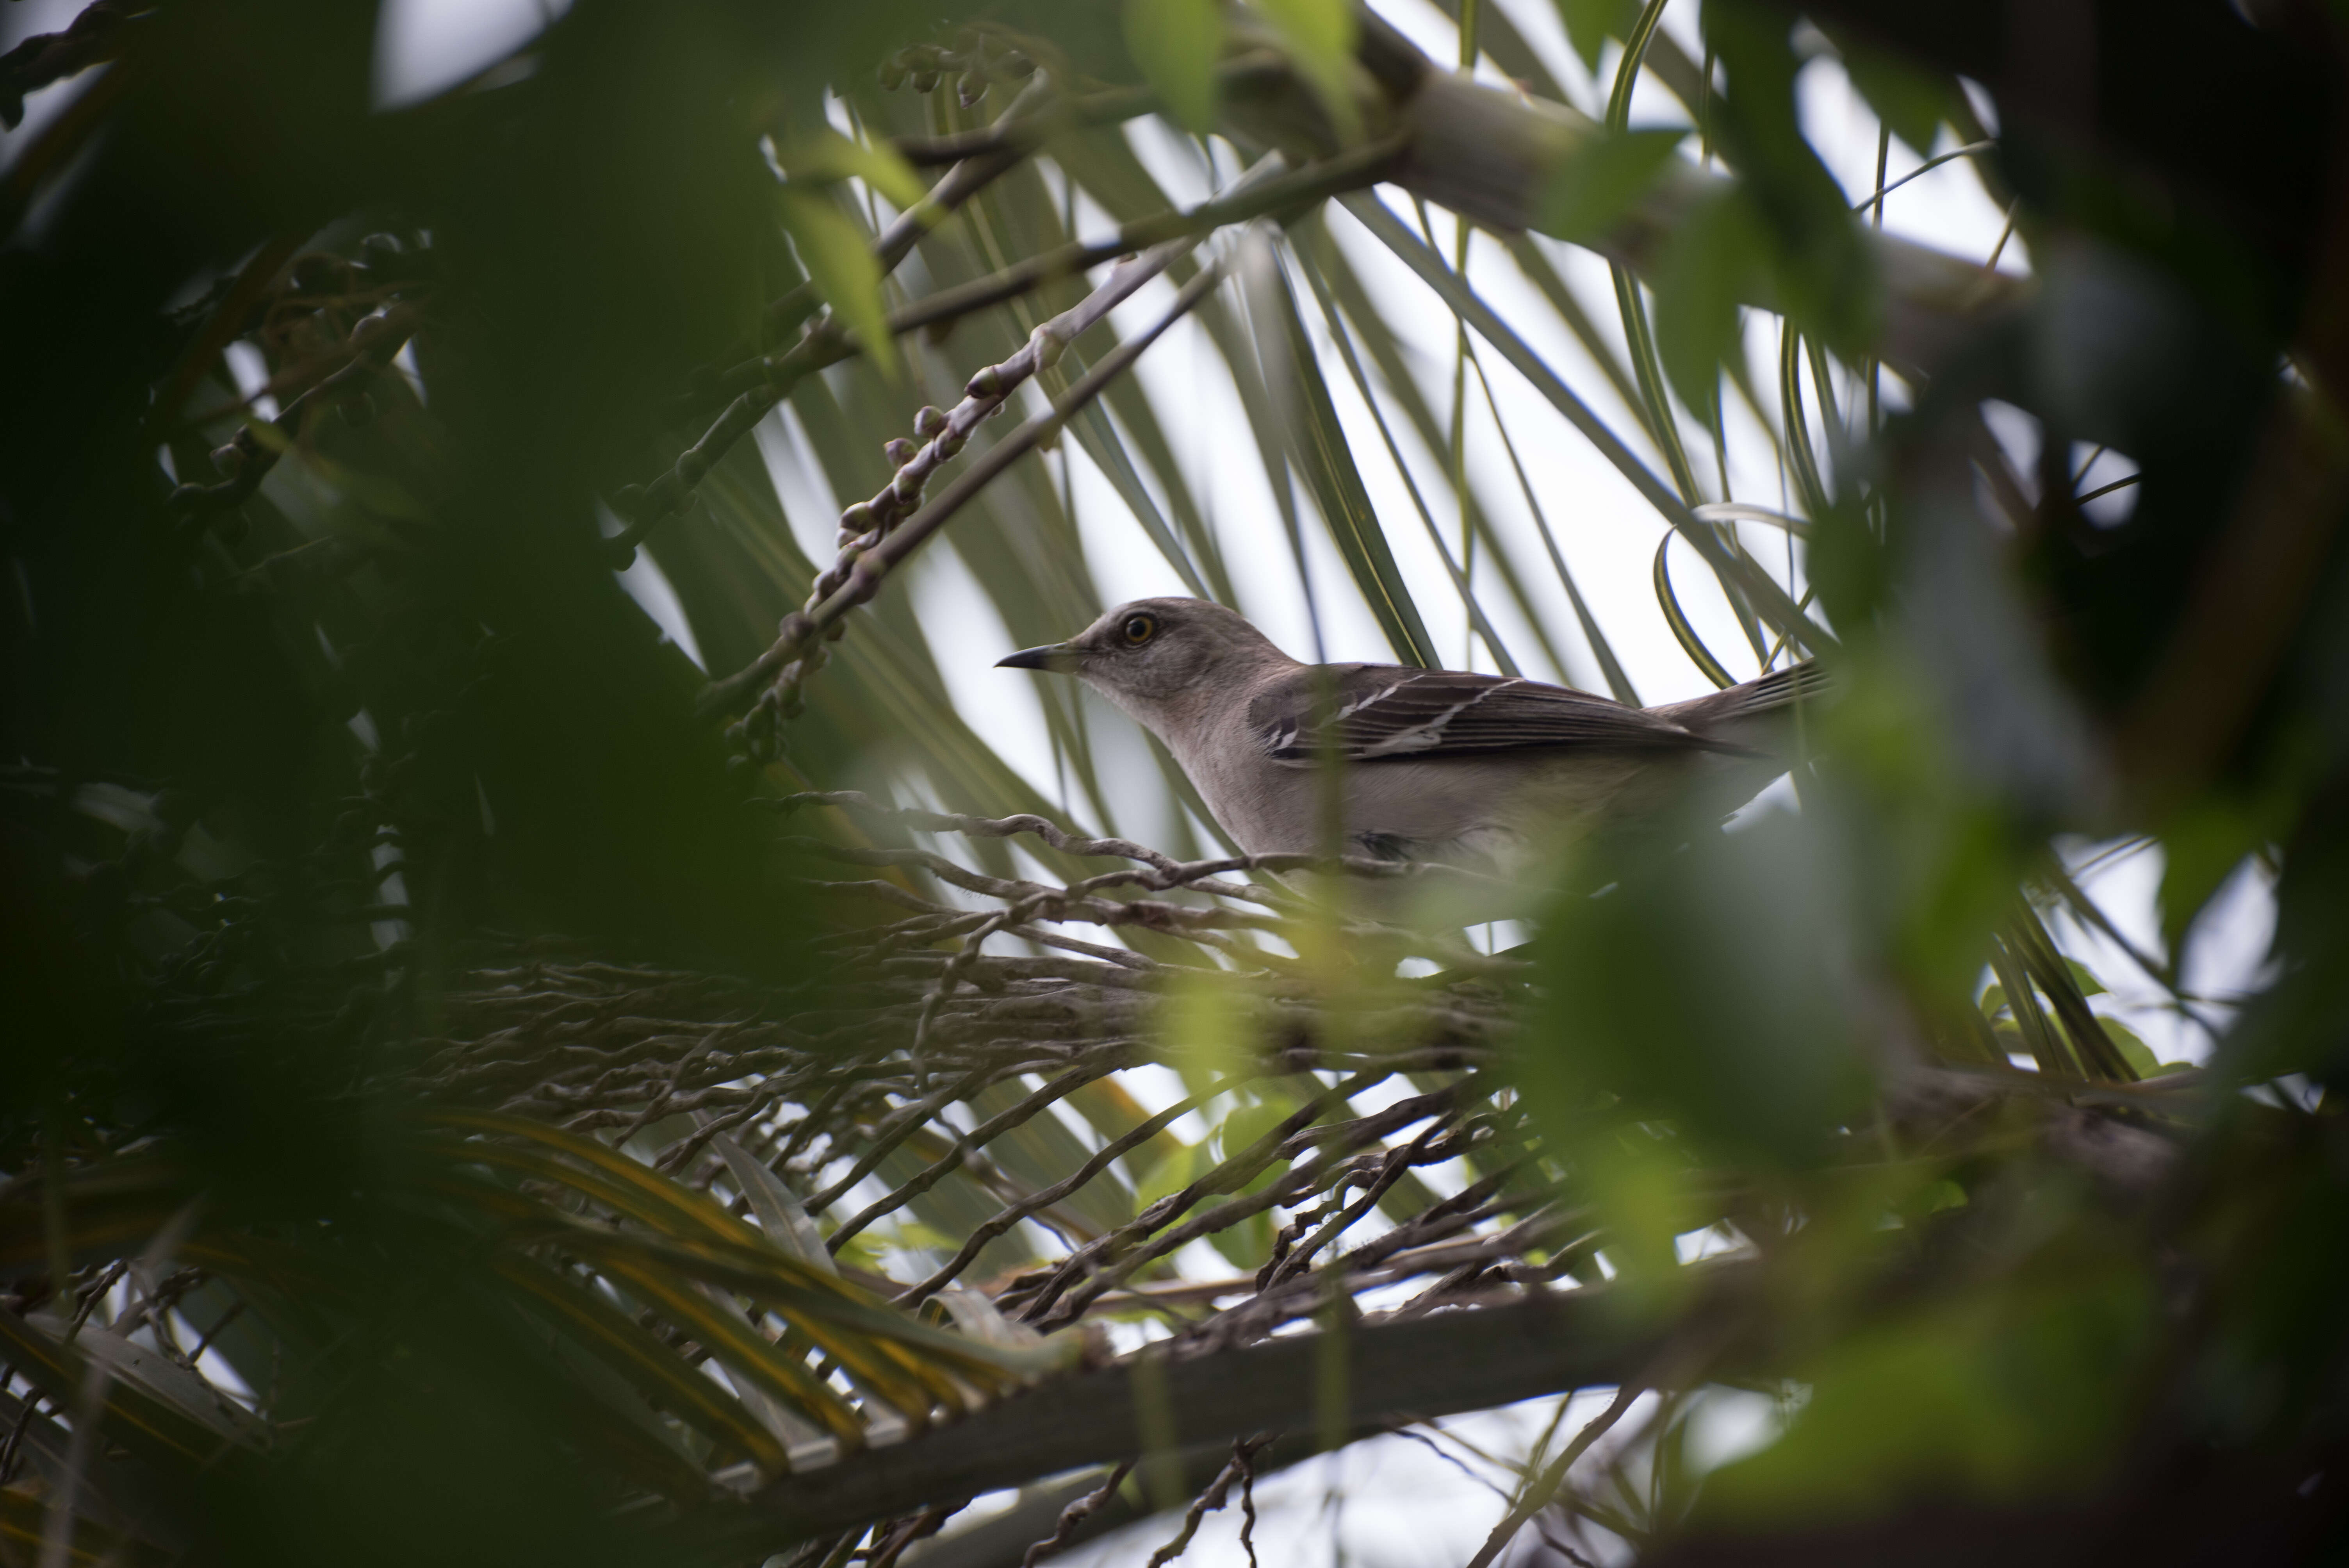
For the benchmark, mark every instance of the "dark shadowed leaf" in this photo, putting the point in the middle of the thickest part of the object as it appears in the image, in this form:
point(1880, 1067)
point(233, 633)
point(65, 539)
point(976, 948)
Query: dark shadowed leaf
point(1590, 22)
point(1912, 101)
point(1710, 986)
point(1706, 271)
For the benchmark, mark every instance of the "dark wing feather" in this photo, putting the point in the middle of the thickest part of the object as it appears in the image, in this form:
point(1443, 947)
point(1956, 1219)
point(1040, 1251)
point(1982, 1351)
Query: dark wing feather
point(1381, 711)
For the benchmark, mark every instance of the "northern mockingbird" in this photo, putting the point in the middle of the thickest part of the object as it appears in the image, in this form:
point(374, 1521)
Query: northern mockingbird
point(1483, 772)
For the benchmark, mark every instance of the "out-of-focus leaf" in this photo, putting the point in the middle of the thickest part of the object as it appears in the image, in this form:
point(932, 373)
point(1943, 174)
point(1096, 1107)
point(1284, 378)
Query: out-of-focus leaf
point(1610, 669)
point(2085, 978)
point(1261, 1109)
point(2026, 936)
point(2134, 1051)
point(831, 156)
point(1246, 1243)
point(839, 259)
point(1042, 1150)
point(904, 1362)
point(1208, 1029)
point(24, 1525)
point(844, 1318)
point(1590, 190)
point(1664, 424)
point(1333, 278)
point(1320, 38)
point(111, 1209)
point(1708, 989)
point(608, 1417)
point(1111, 1110)
point(1175, 44)
point(1266, 423)
point(869, 1249)
point(1590, 22)
point(2032, 1029)
point(2201, 850)
point(1990, 1399)
point(1824, 270)
point(1139, 420)
point(1705, 271)
point(1912, 101)
point(1172, 1173)
point(733, 567)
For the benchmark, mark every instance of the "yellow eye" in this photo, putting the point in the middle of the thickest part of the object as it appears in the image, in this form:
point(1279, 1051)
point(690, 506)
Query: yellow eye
point(1139, 629)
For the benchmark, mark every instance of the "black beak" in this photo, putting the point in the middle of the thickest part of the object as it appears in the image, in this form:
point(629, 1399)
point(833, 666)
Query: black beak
point(1052, 657)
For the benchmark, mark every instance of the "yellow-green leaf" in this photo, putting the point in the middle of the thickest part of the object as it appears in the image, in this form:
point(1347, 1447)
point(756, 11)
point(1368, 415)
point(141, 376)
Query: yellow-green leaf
point(840, 264)
point(1258, 1114)
point(1175, 44)
point(1209, 1029)
point(1172, 1174)
point(739, 1347)
point(2136, 1052)
point(612, 1178)
point(833, 156)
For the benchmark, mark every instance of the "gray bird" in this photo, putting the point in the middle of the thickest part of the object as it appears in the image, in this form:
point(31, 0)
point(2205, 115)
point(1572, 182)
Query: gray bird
point(1488, 772)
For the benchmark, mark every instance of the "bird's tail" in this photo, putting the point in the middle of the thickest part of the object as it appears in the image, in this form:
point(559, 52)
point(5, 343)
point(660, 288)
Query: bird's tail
point(1806, 682)
point(1796, 685)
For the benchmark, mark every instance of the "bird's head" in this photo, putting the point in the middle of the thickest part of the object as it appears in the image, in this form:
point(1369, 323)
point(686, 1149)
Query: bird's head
point(1154, 653)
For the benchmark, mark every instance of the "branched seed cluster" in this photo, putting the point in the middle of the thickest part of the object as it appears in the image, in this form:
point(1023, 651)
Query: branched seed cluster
point(965, 1135)
point(855, 575)
point(975, 61)
point(326, 329)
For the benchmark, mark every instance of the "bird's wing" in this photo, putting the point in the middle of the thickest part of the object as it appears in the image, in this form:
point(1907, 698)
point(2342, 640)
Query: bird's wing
point(1365, 712)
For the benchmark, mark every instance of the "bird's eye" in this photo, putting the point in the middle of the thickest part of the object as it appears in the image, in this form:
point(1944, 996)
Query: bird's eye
point(1139, 629)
